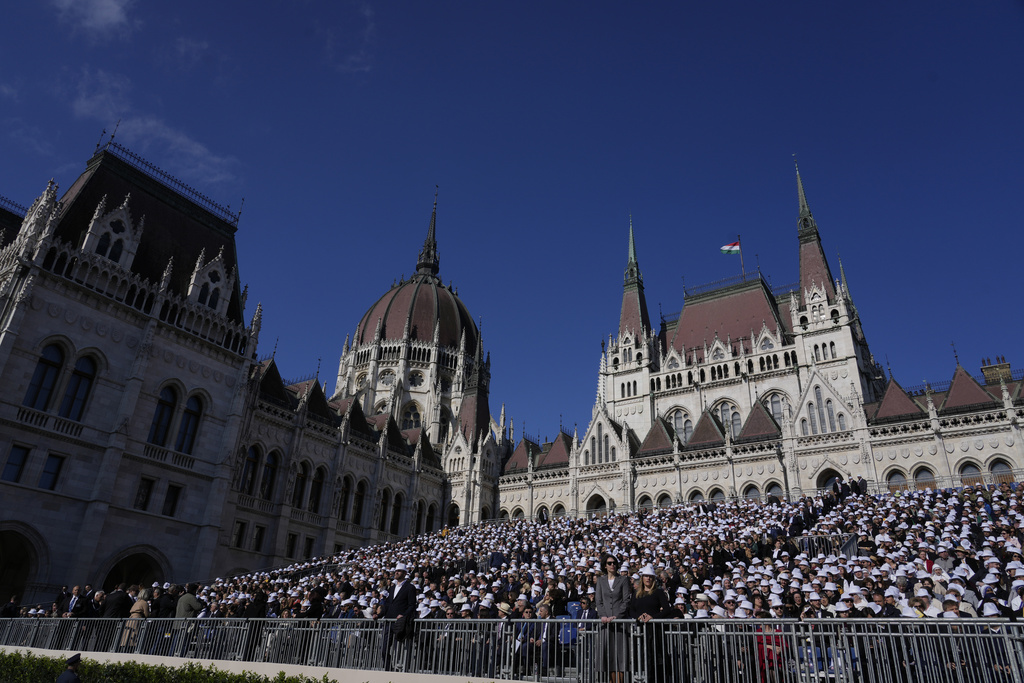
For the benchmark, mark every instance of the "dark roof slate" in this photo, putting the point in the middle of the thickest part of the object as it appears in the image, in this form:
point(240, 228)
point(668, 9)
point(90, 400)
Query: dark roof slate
point(707, 432)
point(896, 403)
point(759, 425)
point(660, 439)
point(965, 391)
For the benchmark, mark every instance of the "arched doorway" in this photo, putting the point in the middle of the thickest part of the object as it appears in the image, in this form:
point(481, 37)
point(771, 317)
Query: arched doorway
point(596, 506)
point(558, 510)
point(18, 564)
point(665, 501)
point(431, 518)
point(542, 514)
point(137, 568)
point(645, 503)
point(827, 478)
point(696, 497)
point(453, 515)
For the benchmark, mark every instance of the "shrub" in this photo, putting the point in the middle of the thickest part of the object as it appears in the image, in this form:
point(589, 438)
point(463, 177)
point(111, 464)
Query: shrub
point(17, 667)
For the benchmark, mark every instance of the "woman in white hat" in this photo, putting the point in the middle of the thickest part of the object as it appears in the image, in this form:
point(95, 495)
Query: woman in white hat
point(651, 602)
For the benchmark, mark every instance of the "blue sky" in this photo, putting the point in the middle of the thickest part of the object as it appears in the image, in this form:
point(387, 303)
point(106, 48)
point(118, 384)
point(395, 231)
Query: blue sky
point(545, 125)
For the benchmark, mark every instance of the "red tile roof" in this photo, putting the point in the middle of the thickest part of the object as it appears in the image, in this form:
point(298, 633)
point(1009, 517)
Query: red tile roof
point(520, 457)
point(759, 425)
point(814, 269)
point(660, 439)
point(964, 391)
point(708, 431)
point(732, 312)
point(422, 301)
point(556, 453)
point(896, 403)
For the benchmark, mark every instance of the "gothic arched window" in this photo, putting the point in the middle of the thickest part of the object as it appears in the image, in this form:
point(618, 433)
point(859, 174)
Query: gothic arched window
point(40, 388)
point(411, 417)
point(77, 393)
point(189, 425)
point(161, 424)
point(269, 476)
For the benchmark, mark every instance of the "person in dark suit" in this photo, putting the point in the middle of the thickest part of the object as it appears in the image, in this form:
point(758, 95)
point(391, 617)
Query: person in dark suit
point(400, 606)
point(74, 605)
point(544, 643)
point(118, 604)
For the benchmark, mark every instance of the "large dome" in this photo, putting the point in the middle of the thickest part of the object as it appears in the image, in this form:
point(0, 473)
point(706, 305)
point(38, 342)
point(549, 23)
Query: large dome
point(422, 302)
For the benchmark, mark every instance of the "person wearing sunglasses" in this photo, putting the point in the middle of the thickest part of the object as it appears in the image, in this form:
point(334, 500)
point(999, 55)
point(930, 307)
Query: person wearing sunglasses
point(613, 594)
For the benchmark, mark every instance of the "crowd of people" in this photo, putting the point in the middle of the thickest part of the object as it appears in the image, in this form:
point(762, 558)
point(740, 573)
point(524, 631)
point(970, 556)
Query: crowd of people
point(950, 553)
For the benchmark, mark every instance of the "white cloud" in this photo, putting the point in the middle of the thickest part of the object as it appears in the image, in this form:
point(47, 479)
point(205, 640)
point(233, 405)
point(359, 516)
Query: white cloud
point(95, 15)
point(103, 97)
point(189, 51)
point(348, 48)
point(177, 151)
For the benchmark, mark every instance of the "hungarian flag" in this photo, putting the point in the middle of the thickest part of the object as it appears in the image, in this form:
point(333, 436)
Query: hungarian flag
point(733, 248)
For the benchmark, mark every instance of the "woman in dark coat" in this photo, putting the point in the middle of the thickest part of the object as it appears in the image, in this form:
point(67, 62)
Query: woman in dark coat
point(612, 594)
point(651, 602)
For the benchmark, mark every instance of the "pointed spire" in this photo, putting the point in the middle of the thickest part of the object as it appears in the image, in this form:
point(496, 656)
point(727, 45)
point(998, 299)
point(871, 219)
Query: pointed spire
point(632, 243)
point(199, 263)
point(846, 286)
point(805, 210)
point(257, 321)
point(165, 279)
point(429, 261)
point(633, 316)
point(814, 270)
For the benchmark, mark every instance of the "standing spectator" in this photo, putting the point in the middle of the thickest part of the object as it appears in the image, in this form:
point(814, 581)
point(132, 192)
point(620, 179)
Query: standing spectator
point(188, 607)
point(401, 606)
point(612, 603)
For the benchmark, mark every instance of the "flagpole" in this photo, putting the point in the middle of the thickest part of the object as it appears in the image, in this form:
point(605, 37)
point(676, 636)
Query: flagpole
point(743, 270)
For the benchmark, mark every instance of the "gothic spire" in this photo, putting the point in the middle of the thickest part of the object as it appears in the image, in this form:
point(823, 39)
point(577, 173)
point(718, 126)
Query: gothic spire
point(634, 316)
point(814, 270)
point(805, 221)
point(429, 262)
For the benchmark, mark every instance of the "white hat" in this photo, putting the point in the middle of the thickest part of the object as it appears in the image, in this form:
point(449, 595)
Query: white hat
point(648, 570)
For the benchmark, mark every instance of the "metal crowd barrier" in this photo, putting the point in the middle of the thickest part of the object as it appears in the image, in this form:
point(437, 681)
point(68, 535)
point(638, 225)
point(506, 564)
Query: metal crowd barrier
point(575, 651)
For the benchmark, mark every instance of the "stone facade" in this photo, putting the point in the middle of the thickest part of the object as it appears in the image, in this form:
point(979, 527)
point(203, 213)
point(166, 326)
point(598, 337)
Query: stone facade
point(753, 392)
point(143, 439)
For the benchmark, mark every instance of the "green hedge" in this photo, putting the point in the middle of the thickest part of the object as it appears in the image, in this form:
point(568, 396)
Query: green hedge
point(16, 667)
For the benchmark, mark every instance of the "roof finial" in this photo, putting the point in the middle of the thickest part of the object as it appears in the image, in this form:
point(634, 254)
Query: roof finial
point(805, 221)
point(429, 262)
point(805, 210)
point(632, 243)
point(955, 356)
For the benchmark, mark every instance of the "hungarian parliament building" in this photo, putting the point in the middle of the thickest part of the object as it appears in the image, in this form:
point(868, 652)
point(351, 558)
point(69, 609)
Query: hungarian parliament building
point(144, 437)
